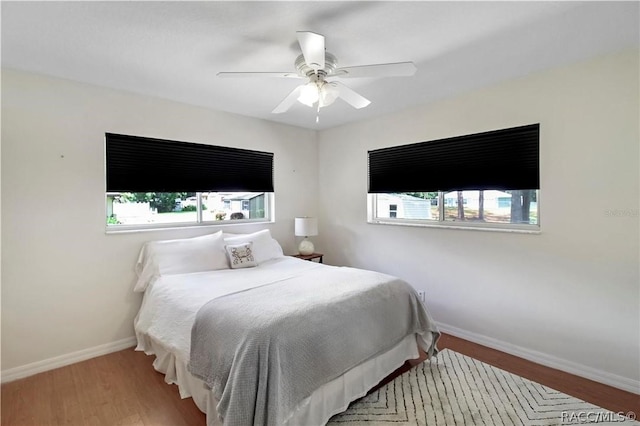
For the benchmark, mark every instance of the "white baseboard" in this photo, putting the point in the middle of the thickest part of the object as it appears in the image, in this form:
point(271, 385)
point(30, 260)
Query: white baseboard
point(599, 376)
point(590, 373)
point(62, 360)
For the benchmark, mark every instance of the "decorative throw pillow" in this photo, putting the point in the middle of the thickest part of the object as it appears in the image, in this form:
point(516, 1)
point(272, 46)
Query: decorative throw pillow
point(241, 255)
point(264, 246)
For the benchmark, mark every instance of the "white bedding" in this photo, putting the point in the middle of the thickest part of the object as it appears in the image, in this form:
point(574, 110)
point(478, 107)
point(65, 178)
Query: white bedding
point(170, 304)
point(168, 311)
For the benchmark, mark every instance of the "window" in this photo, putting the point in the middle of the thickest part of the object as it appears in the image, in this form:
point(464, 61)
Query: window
point(485, 180)
point(157, 183)
point(477, 207)
point(393, 210)
point(162, 208)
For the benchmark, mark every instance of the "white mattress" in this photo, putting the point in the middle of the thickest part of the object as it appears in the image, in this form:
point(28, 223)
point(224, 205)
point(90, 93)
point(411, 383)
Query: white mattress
point(163, 328)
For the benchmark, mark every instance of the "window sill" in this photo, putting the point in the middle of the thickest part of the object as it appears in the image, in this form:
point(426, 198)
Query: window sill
point(518, 229)
point(129, 229)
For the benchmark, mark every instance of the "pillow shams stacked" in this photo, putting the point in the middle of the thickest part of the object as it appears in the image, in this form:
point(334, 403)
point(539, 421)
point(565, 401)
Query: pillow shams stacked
point(205, 253)
point(181, 256)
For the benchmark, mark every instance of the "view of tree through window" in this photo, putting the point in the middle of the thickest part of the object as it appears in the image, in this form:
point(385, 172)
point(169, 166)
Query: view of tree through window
point(140, 208)
point(488, 206)
point(492, 206)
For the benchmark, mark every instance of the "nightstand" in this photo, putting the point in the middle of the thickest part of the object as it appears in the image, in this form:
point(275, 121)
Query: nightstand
point(310, 257)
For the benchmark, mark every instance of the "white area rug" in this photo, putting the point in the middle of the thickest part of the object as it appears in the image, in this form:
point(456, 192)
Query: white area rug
point(453, 389)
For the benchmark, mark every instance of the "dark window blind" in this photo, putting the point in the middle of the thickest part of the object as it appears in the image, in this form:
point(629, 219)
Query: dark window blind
point(500, 159)
point(138, 164)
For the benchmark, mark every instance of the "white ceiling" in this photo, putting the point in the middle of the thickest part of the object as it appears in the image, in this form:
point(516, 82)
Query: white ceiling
point(173, 50)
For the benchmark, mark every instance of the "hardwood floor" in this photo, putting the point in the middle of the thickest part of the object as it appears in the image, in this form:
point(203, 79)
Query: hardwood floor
point(596, 393)
point(122, 388)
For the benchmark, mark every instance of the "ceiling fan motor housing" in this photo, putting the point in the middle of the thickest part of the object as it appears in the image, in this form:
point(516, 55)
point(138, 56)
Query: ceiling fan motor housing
point(330, 65)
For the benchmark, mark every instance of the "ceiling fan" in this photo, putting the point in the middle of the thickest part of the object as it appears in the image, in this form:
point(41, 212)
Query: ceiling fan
point(317, 65)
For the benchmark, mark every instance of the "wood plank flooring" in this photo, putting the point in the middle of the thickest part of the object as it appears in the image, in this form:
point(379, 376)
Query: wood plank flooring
point(122, 388)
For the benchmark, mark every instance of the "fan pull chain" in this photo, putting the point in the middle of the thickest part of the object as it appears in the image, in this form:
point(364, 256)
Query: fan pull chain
point(318, 113)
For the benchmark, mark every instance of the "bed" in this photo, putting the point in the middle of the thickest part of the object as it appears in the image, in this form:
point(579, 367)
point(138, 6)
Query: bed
point(256, 337)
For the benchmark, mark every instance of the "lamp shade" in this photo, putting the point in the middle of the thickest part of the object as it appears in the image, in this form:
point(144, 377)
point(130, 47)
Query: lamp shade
point(328, 94)
point(306, 226)
point(309, 94)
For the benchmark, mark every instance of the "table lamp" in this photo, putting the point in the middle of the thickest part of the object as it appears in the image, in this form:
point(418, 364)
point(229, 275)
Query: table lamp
point(306, 227)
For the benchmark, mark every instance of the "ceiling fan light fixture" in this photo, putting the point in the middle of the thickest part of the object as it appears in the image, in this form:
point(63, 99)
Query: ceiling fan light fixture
point(328, 94)
point(309, 94)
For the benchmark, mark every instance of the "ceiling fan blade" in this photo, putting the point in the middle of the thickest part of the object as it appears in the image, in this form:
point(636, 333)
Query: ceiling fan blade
point(312, 46)
point(258, 74)
point(288, 102)
point(352, 98)
point(399, 69)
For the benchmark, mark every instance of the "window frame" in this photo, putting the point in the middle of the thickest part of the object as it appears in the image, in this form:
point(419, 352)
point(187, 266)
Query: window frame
point(503, 159)
point(199, 223)
point(144, 164)
point(372, 218)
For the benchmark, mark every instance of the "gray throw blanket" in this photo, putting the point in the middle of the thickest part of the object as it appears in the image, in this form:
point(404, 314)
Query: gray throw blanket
point(265, 350)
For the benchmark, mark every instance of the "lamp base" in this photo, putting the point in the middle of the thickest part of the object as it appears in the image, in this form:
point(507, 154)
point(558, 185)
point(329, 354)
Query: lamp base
point(306, 247)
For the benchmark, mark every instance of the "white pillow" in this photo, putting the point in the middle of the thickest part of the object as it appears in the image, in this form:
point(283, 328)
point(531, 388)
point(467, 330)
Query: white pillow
point(241, 255)
point(264, 246)
point(229, 235)
point(180, 256)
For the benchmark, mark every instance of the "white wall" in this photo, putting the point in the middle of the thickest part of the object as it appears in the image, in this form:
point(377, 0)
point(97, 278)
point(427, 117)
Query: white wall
point(66, 285)
point(569, 296)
